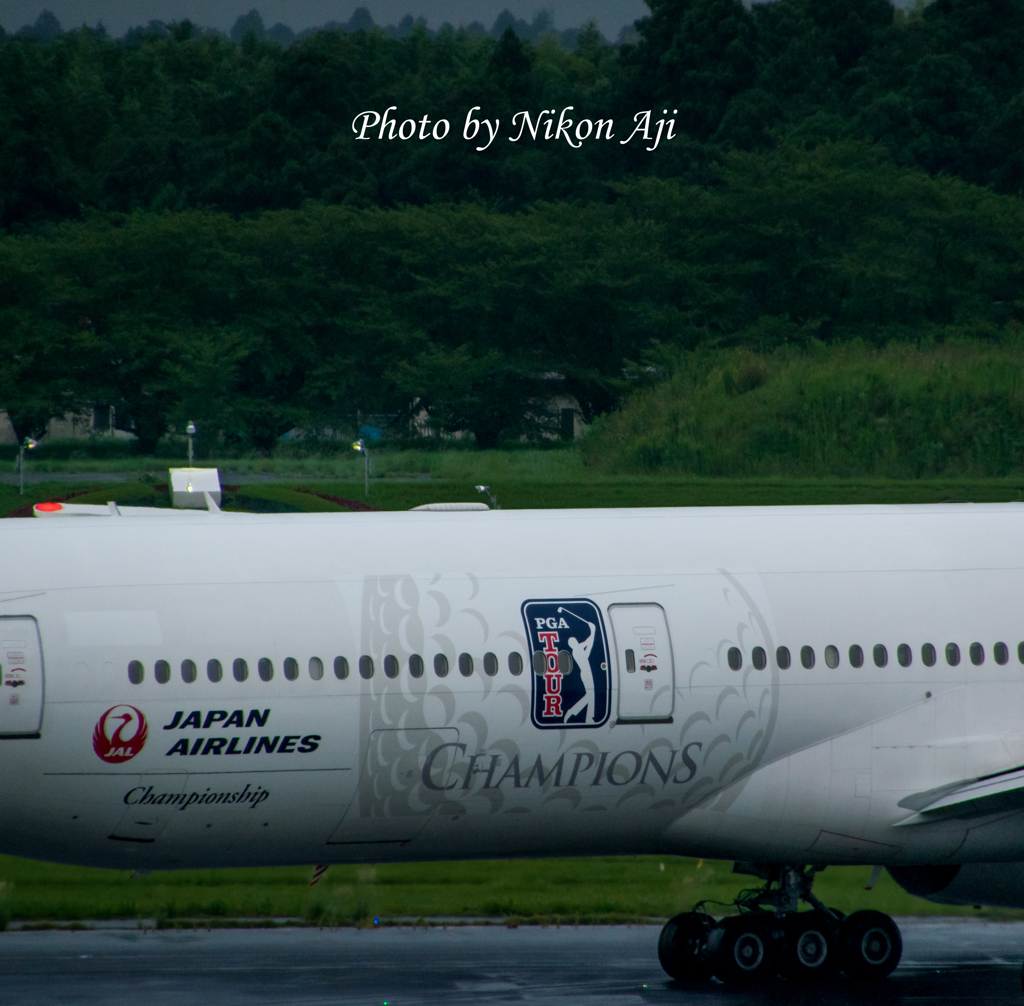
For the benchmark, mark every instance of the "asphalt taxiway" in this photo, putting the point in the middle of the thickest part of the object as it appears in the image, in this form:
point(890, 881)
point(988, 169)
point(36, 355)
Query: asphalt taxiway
point(943, 962)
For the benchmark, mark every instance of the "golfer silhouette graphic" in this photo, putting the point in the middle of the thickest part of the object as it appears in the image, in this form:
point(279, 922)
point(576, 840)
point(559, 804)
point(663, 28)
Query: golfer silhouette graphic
point(581, 659)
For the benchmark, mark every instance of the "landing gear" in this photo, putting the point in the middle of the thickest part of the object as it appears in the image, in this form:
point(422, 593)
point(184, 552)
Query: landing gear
point(809, 948)
point(771, 937)
point(871, 945)
point(741, 949)
point(682, 945)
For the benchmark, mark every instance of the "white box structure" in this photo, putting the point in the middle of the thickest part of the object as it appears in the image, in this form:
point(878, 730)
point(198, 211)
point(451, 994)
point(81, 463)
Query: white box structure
point(189, 484)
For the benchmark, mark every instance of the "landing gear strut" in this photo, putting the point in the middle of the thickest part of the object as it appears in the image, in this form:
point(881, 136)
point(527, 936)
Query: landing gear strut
point(771, 937)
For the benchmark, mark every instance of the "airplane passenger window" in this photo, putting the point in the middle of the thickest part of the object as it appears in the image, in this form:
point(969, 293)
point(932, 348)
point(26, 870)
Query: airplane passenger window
point(188, 671)
point(440, 665)
point(291, 668)
point(265, 667)
point(214, 671)
point(136, 672)
point(807, 656)
point(391, 666)
point(759, 657)
point(880, 654)
point(735, 658)
point(952, 654)
point(490, 664)
point(1001, 653)
point(465, 665)
point(340, 668)
point(366, 667)
point(977, 652)
point(316, 668)
point(904, 655)
point(1020, 652)
point(928, 655)
point(515, 663)
point(416, 665)
point(856, 656)
point(832, 656)
point(240, 669)
point(162, 672)
point(782, 657)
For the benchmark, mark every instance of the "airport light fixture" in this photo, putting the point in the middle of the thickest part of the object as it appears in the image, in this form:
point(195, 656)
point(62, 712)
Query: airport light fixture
point(28, 443)
point(191, 431)
point(486, 490)
point(361, 447)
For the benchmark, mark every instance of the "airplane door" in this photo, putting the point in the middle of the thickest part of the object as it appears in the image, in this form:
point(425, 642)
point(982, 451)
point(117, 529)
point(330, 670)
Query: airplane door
point(403, 782)
point(644, 655)
point(21, 694)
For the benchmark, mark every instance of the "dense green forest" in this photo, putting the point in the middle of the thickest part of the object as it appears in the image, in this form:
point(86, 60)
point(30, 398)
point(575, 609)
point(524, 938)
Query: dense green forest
point(175, 119)
point(191, 229)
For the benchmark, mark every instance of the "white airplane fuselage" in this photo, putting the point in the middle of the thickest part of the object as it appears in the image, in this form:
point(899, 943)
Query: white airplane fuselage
point(626, 729)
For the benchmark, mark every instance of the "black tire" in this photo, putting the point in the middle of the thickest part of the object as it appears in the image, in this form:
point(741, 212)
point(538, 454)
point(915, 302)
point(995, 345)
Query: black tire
point(742, 950)
point(871, 945)
point(681, 947)
point(810, 950)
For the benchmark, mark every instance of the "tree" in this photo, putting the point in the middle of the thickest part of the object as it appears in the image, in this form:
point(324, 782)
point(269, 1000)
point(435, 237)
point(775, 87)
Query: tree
point(246, 23)
point(39, 350)
point(694, 56)
point(493, 395)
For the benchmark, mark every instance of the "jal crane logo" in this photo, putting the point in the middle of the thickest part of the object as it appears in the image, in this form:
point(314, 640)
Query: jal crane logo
point(120, 734)
point(569, 657)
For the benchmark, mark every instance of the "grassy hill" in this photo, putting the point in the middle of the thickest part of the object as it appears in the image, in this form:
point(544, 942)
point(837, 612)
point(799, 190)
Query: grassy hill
point(852, 410)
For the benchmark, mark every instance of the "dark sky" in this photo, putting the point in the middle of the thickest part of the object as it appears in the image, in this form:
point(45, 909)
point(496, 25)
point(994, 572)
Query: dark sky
point(119, 15)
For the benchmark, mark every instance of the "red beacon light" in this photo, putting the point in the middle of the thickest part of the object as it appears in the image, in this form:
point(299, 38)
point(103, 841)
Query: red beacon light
point(49, 507)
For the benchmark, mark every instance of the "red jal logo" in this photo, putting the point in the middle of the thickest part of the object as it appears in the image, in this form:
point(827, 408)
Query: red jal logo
point(120, 734)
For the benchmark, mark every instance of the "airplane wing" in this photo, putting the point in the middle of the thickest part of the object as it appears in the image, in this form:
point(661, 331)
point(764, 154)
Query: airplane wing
point(989, 795)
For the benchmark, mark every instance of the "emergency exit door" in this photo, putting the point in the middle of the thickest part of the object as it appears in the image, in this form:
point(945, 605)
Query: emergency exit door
point(643, 650)
point(21, 677)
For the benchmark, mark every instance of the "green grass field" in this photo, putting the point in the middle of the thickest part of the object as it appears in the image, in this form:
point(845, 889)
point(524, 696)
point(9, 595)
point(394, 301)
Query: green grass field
point(598, 890)
point(564, 890)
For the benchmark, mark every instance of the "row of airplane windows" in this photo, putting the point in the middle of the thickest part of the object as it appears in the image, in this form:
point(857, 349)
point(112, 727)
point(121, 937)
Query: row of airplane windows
point(880, 655)
point(466, 664)
point(315, 667)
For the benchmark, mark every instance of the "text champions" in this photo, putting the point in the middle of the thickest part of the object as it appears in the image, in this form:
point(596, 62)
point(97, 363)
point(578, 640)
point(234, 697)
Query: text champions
point(549, 124)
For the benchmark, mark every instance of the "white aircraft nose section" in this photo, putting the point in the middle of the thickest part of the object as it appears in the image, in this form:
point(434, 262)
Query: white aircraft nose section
point(21, 677)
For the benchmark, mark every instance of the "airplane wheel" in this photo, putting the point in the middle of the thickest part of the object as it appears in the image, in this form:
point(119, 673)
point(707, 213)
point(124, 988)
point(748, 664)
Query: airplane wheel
point(681, 947)
point(742, 950)
point(871, 945)
point(809, 951)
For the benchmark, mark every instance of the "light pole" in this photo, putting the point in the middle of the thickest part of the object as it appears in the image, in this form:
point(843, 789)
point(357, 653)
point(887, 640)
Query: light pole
point(29, 443)
point(361, 447)
point(191, 431)
point(487, 491)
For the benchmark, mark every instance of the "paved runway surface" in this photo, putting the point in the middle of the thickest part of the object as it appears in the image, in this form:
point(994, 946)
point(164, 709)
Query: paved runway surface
point(943, 962)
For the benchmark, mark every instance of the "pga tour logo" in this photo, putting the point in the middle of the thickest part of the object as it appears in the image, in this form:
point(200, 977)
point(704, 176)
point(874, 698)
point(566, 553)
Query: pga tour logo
point(569, 657)
point(120, 734)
